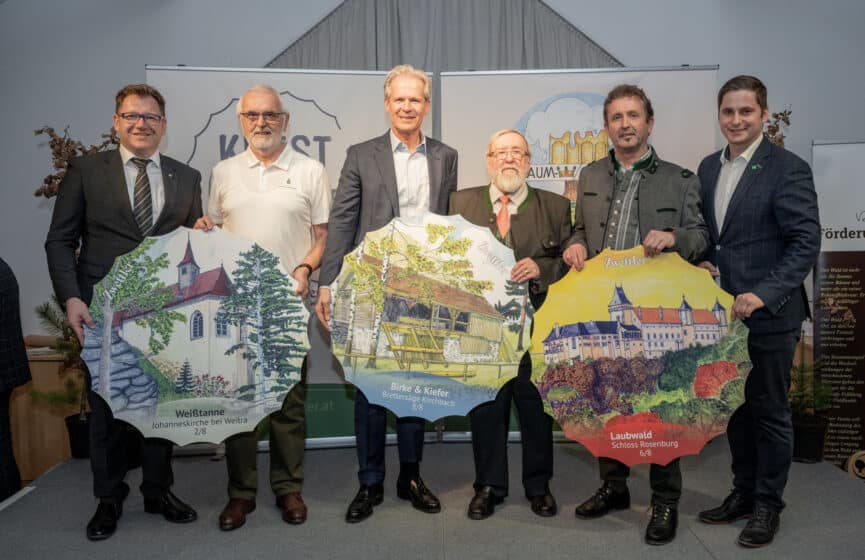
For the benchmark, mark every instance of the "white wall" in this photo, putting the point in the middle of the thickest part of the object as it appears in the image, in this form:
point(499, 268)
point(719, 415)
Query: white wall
point(61, 63)
point(809, 54)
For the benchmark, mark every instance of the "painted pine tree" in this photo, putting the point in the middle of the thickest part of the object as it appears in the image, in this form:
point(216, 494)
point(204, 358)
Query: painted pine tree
point(520, 291)
point(133, 285)
point(184, 384)
point(262, 301)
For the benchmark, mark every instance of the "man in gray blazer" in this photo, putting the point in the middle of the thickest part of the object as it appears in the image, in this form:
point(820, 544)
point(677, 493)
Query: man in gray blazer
point(628, 198)
point(761, 209)
point(400, 174)
point(107, 204)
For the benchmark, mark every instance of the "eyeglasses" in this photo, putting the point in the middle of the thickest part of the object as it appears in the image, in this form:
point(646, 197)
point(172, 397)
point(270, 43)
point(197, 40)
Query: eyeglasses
point(269, 116)
point(505, 154)
point(149, 118)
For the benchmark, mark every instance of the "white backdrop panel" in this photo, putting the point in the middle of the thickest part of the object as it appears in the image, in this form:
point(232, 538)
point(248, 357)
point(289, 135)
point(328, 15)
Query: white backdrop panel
point(841, 194)
point(330, 110)
point(552, 107)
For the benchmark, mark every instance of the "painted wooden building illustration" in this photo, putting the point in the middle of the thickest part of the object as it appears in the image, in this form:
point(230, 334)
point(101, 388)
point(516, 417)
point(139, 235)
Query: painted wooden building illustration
point(422, 320)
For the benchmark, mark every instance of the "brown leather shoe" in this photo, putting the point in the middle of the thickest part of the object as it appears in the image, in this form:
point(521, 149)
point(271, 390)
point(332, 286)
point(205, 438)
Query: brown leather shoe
point(293, 508)
point(234, 514)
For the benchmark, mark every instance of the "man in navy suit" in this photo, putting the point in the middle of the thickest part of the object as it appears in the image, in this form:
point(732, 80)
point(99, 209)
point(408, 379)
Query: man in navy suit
point(399, 174)
point(761, 209)
point(107, 204)
point(14, 371)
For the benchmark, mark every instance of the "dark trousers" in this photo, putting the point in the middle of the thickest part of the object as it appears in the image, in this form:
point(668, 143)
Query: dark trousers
point(666, 480)
point(370, 429)
point(10, 478)
point(760, 432)
point(287, 441)
point(108, 457)
point(489, 424)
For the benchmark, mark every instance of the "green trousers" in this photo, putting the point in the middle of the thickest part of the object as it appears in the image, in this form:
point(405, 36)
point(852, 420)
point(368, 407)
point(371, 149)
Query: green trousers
point(287, 440)
point(666, 480)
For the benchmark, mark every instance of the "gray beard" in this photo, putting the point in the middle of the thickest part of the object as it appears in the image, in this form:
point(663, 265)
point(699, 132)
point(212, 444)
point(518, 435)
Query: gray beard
point(508, 184)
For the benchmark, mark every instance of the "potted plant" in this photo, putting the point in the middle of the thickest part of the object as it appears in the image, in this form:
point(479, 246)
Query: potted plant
point(65, 342)
point(63, 149)
point(53, 320)
point(808, 398)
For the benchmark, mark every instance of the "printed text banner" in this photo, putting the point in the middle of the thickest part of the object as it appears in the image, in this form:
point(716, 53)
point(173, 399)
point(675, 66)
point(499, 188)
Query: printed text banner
point(839, 295)
point(329, 111)
point(561, 114)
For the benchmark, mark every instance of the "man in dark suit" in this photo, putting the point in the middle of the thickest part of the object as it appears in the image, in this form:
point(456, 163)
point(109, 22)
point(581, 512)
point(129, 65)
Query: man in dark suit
point(634, 197)
point(107, 204)
point(14, 371)
point(536, 224)
point(761, 210)
point(399, 174)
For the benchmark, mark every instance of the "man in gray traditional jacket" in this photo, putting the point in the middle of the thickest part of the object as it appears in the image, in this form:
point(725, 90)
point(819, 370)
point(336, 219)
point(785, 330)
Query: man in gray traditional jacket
point(629, 198)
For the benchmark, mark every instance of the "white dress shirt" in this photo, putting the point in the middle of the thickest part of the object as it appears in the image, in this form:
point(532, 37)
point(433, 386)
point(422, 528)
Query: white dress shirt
point(412, 178)
point(154, 174)
point(728, 178)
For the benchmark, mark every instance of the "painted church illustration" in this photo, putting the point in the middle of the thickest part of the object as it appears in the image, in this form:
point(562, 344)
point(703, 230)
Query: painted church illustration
point(635, 330)
point(205, 336)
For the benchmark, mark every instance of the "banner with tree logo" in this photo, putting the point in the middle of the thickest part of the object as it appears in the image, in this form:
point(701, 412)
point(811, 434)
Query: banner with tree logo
point(206, 336)
point(636, 358)
point(425, 321)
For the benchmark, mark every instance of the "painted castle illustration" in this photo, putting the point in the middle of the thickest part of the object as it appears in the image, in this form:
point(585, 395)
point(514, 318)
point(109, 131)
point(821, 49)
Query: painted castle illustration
point(636, 330)
point(205, 336)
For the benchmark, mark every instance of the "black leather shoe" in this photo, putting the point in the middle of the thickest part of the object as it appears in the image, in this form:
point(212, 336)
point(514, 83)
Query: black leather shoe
point(544, 505)
point(361, 506)
point(605, 499)
point(735, 506)
point(483, 503)
point(420, 496)
point(662, 526)
point(104, 522)
point(761, 528)
point(171, 507)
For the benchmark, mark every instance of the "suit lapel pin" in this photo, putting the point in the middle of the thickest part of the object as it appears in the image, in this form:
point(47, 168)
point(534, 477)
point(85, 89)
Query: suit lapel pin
point(755, 167)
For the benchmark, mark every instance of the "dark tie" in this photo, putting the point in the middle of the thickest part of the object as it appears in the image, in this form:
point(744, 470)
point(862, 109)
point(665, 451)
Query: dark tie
point(143, 204)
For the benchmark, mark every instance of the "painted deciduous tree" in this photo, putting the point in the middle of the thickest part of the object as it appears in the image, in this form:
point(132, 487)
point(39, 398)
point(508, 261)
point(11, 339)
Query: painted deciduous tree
point(263, 303)
point(442, 259)
point(133, 285)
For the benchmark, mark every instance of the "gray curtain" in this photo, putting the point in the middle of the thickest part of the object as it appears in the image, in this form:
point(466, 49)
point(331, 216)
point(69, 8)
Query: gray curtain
point(444, 35)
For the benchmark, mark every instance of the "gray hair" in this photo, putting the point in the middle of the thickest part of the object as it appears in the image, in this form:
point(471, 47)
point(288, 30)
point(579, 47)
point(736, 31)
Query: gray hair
point(498, 134)
point(260, 88)
point(408, 70)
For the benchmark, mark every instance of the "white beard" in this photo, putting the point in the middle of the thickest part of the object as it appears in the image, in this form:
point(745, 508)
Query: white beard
point(508, 183)
point(265, 143)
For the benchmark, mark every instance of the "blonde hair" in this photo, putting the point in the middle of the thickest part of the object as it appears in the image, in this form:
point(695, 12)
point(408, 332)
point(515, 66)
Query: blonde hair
point(408, 70)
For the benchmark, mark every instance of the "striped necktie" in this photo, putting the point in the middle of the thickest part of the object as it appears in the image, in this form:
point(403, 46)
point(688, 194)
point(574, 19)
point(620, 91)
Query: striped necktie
point(143, 204)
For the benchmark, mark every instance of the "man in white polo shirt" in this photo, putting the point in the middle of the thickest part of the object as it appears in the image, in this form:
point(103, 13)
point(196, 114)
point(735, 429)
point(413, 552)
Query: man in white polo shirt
point(280, 199)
